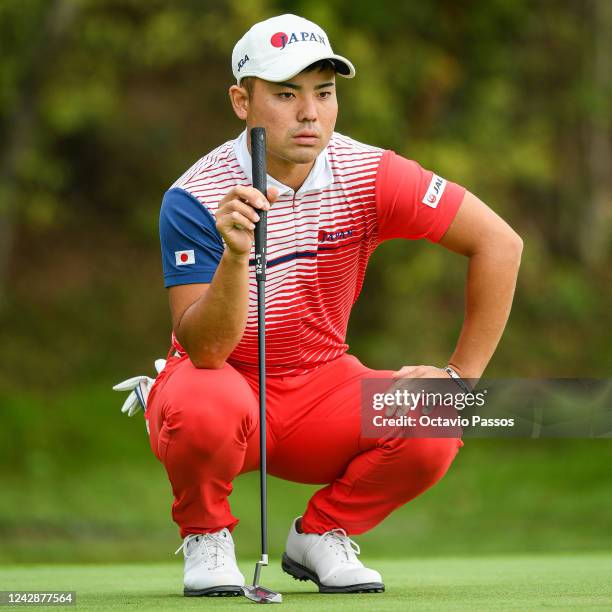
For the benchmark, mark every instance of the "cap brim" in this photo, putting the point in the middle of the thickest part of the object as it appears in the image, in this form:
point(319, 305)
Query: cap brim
point(278, 71)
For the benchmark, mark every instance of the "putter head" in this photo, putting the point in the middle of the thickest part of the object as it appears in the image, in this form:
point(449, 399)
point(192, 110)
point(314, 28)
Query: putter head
point(260, 594)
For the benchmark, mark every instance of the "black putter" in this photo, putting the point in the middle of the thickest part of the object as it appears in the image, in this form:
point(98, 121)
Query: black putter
point(256, 592)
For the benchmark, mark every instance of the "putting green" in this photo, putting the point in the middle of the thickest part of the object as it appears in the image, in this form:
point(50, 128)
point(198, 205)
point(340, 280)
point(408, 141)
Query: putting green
point(526, 582)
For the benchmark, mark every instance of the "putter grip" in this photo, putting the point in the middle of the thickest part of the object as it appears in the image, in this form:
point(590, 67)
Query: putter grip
point(258, 157)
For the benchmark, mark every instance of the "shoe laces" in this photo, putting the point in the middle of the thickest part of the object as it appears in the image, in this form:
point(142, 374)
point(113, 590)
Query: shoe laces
point(213, 545)
point(343, 545)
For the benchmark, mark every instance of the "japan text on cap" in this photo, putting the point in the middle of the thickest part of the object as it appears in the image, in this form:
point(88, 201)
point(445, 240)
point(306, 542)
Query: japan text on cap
point(281, 47)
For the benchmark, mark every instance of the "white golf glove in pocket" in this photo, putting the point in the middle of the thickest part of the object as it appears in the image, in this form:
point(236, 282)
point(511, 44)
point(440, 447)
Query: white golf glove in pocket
point(139, 387)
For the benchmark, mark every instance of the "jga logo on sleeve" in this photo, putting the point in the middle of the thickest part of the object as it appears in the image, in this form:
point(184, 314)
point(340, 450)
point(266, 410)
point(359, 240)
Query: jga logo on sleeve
point(434, 191)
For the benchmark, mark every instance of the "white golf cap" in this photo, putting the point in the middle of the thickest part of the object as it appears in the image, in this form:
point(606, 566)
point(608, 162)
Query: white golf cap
point(281, 47)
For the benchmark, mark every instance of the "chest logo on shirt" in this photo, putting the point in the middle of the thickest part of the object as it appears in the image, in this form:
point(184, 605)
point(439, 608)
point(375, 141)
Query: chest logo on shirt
point(434, 191)
point(184, 258)
point(334, 235)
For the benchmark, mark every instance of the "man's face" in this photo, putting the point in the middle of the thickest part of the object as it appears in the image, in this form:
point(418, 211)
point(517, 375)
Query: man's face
point(299, 115)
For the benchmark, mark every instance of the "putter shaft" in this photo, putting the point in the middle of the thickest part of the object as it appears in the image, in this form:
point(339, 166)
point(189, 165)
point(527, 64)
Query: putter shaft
point(256, 592)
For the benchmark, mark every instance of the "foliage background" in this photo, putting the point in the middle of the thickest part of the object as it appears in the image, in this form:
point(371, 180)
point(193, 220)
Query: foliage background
point(103, 103)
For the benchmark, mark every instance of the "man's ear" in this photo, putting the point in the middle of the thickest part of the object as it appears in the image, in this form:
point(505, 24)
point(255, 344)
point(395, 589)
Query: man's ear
point(239, 97)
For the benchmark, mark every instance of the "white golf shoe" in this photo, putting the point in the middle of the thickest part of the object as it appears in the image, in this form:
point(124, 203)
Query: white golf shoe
point(210, 565)
point(330, 561)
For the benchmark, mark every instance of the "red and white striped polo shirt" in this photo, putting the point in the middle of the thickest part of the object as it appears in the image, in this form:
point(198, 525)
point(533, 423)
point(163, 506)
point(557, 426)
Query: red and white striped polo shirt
point(319, 240)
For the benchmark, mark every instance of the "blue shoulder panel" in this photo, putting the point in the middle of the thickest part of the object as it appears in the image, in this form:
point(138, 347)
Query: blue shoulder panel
point(190, 243)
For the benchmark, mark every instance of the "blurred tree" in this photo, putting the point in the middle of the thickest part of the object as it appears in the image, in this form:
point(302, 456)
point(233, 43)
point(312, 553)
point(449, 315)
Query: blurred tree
point(103, 103)
point(597, 220)
point(24, 68)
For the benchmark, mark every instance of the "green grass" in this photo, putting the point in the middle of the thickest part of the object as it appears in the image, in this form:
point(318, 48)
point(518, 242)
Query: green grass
point(525, 582)
point(80, 484)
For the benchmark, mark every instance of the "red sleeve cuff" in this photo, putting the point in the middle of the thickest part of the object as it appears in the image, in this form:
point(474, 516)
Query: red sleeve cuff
point(452, 202)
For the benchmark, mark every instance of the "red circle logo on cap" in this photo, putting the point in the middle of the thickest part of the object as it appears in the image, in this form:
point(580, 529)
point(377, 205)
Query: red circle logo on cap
point(184, 257)
point(278, 40)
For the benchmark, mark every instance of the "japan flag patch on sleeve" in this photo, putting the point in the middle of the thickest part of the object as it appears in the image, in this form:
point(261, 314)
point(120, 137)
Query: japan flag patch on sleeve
point(434, 191)
point(184, 258)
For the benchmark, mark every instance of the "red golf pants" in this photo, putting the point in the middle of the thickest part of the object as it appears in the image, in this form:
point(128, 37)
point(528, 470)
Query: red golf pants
point(204, 428)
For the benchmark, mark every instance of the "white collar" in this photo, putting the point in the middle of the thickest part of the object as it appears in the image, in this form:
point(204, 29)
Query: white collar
point(320, 175)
